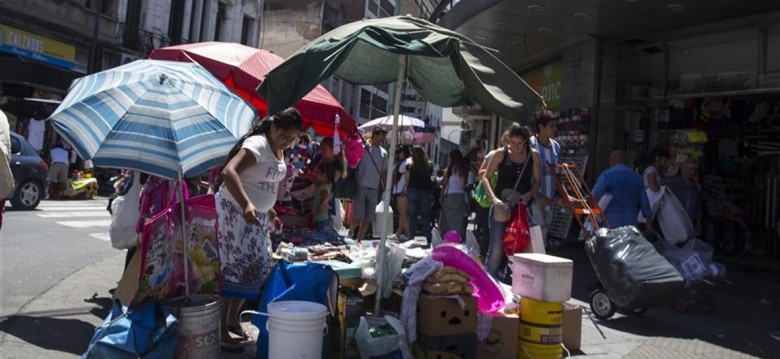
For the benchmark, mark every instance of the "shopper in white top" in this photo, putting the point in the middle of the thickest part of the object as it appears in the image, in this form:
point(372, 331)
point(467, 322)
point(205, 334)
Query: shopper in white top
point(6, 176)
point(658, 159)
point(453, 196)
point(403, 156)
point(245, 201)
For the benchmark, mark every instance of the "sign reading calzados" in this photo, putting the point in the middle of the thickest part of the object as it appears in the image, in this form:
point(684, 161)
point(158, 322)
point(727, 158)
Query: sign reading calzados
point(29, 45)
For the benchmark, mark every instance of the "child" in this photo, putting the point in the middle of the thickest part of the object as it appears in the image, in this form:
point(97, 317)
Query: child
point(323, 179)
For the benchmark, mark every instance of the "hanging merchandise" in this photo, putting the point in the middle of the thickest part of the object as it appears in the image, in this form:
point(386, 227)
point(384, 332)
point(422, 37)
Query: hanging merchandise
point(336, 136)
point(162, 263)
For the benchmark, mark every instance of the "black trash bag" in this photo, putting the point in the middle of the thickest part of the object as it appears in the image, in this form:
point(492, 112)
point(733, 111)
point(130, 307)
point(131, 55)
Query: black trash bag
point(631, 270)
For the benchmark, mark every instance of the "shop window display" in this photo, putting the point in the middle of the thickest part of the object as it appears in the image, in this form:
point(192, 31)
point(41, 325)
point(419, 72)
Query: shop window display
point(734, 139)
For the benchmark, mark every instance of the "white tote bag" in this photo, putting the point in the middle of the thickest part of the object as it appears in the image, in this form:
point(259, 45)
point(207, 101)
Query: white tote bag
point(673, 219)
point(125, 212)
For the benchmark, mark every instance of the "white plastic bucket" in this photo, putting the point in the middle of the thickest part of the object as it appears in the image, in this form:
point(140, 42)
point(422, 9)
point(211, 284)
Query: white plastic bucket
point(295, 329)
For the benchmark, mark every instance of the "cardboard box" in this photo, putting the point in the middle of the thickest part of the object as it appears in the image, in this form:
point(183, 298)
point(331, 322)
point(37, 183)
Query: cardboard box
point(501, 341)
point(350, 308)
point(443, 316)
point(572, 326)
point(542, 277)
point(445, 346)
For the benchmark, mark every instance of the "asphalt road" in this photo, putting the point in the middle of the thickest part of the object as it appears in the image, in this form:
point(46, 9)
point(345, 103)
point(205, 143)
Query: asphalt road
point(40, 248)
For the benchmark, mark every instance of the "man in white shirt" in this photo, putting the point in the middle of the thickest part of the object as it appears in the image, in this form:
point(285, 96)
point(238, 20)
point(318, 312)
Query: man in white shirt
point(369, 177)
point(58, 171)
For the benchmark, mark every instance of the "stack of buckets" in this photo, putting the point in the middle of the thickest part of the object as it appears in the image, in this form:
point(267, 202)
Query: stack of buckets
point(543, 283)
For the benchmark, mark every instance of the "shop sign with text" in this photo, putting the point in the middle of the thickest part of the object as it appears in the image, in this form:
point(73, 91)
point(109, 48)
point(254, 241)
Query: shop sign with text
point(546, 80)
point(32, 46)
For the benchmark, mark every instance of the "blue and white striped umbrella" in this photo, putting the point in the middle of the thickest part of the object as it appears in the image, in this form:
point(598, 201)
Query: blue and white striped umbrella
point(153, 116)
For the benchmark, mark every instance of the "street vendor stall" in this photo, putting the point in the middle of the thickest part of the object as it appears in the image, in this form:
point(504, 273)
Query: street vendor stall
point(445, 67)
point(85, 187)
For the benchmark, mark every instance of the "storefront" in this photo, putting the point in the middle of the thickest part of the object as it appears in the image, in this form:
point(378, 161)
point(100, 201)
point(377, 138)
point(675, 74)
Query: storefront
point(712, 98)
point(35, 73)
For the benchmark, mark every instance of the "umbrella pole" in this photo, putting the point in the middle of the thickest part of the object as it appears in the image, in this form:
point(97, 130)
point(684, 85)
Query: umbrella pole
point(382, 250)
point(185, 257)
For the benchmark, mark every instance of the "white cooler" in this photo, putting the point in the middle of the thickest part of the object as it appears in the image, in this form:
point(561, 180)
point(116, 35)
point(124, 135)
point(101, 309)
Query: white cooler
point(542, 277)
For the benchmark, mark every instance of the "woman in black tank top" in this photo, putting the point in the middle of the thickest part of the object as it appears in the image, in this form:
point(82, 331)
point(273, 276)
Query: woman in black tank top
point(518, 168)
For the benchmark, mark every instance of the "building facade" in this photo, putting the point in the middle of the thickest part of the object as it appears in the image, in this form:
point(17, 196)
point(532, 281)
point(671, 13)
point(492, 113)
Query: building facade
point(698, 78)
point(45, 45)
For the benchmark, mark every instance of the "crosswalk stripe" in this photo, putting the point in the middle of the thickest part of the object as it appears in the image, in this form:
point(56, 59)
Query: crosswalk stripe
point(68, 203)
point(73, 208)
point(86, 224)
point(101, 236)
point(97, 213)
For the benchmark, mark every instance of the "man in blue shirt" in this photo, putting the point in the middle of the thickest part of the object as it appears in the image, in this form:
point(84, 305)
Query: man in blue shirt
point(628, 193)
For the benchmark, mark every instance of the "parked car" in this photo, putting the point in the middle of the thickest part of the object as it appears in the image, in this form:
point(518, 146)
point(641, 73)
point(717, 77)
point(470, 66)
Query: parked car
point(31, 174)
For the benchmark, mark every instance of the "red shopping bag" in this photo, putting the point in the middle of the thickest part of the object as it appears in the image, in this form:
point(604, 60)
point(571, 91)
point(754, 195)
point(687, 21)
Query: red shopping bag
point(517, 234)
point(162, 257)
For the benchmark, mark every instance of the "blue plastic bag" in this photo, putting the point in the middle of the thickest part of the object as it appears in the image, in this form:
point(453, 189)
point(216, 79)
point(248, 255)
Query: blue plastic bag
point(292, 281)
point(146, 331)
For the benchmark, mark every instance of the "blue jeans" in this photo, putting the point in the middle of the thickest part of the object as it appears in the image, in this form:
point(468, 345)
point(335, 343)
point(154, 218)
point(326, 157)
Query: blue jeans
point(419, 204)
point(495, 252)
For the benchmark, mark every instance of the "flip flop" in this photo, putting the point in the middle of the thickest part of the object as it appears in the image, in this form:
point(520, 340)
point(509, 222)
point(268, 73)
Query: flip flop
point(230, 346)
point(238, 330)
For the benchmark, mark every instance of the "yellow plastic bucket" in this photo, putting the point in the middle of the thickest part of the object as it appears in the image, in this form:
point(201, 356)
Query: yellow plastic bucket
point(539, 351)
point(540, 329)
point(545, 313)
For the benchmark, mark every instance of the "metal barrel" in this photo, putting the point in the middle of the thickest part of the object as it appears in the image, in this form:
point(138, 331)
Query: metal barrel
point(198, 326)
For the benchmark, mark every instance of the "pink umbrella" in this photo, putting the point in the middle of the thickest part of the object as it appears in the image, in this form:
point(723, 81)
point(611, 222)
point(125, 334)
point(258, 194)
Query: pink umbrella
point(242, 68)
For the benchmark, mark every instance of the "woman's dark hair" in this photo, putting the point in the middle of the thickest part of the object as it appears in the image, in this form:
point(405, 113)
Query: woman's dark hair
point(458, 163)
point(328, 142)
point(403, 149)
point(305, 138)
point(421, 165)
point(517, 130)
point(285, 120)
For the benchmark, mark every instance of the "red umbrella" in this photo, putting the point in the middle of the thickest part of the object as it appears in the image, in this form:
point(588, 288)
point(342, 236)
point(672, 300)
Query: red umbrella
point(242, 68)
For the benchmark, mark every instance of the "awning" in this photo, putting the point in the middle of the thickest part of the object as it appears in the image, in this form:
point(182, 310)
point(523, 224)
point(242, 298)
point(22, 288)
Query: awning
point(37, 75)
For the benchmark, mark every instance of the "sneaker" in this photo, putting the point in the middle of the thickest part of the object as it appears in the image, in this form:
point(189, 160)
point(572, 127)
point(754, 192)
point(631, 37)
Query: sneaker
point(403, 238)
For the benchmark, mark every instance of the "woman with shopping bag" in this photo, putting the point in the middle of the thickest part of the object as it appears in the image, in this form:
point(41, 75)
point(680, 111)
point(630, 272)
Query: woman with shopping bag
point(245, 201)
point(519, 179)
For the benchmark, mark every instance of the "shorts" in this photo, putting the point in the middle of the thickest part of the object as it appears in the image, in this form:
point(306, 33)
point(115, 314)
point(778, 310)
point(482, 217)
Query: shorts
point(58, 173)
point(364, 204)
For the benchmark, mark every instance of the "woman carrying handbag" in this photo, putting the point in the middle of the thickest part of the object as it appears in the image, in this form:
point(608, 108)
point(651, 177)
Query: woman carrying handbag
point(519, 179)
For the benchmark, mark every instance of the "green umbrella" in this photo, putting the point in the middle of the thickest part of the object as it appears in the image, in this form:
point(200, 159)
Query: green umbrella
point(446, 68)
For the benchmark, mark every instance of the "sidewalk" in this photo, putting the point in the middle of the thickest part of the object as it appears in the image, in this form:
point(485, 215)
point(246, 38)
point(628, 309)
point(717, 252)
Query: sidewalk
point(60, 323)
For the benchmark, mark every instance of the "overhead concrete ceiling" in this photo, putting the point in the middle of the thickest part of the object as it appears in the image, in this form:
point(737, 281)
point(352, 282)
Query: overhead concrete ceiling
point(524, 31)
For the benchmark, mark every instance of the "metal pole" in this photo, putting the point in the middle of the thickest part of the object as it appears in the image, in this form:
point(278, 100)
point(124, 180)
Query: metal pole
point(381, 250)
point(185, 258)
